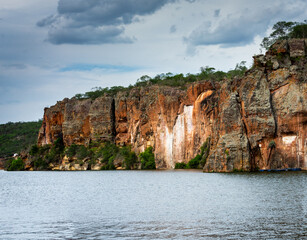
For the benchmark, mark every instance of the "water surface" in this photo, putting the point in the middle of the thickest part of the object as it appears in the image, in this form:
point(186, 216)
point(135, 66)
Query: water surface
point(152, 205)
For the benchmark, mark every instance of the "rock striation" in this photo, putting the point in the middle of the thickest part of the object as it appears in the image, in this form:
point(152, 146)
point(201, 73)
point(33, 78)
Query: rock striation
point(256, 122)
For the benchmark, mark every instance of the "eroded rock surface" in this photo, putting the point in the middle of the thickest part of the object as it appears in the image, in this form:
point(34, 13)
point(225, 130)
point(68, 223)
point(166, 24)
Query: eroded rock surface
point(242, 117)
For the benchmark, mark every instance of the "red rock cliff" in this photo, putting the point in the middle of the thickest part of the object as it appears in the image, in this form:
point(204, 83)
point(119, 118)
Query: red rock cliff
point(257, 122)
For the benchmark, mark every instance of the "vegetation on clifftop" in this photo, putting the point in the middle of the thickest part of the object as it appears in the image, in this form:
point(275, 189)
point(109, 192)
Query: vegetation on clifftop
point(169, 79)
point(285, 30)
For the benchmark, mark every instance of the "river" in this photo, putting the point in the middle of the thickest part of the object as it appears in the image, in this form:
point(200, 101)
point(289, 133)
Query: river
point(152, 205)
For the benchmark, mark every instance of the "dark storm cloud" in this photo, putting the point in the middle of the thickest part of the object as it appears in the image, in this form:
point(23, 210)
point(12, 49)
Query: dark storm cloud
point(88, 35)
point(96, 21)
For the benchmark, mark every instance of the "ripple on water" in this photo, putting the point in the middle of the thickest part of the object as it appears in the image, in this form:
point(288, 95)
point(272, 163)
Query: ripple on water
point(152, 205)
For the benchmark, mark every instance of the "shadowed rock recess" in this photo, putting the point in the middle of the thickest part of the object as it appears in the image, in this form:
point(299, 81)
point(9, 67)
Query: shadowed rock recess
point(256, 122)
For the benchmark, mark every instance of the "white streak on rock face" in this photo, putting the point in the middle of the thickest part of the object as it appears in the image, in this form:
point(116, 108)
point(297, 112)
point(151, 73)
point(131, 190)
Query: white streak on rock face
point(182, 132)
point(171, 143)
point(165, 143)
point(288, 140)
point(169, 146)
point(179, 138)
point(188, 114)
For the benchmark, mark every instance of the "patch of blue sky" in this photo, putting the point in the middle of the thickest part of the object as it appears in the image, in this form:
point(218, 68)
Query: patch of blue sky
point(82, 67)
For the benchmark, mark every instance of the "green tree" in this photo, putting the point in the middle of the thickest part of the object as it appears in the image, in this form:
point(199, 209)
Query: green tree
point(16, 165)
point(148, 159)
point(285, 30)
point(299, 30)
point(130, 158)
point(18, 137)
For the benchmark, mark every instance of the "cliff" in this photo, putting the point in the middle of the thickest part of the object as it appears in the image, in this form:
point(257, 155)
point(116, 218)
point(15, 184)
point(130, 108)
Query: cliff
point(256, 122)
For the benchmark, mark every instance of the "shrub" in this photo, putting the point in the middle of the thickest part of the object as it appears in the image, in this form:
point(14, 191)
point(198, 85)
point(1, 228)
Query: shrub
point(130, 158)
point(78, 151)
point(16, 165)
point(147, 159)
point(34, 150)
point(199, 160)
point(71, 150)
point(204, 152)
point(52, 156)
point(44, 149)
point(40, 164)
point(107, 151)
point(109, 165)
point(81, 152)
point(194, 162)
point(181, 165)
point(58, 145)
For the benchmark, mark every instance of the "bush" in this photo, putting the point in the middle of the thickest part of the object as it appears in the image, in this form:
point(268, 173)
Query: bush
point(109, 165)
point(147, 159)
point(52, 156)
point(78, 151)
point(199, 160)
point(34, 150)
point(107, 151)
point(194, 162)
point(204, 152)
point(71, 150)
point(181, 165)
point(44, 149)
point(130, 158)
point(58, 145)
point(82, 152)
point(40, 164)
point(16, 165)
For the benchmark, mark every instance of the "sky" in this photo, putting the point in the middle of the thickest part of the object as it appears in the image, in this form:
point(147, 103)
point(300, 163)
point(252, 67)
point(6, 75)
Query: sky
point(54, 49)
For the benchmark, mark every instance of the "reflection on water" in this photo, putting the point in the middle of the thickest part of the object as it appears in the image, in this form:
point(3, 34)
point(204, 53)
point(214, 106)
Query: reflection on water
point(152, 205)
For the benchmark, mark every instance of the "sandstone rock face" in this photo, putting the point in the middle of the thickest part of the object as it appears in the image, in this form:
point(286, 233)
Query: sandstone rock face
point(244, 117)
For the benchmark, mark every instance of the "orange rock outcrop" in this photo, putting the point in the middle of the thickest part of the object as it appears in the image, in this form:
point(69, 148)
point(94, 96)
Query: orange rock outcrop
point(242, 117)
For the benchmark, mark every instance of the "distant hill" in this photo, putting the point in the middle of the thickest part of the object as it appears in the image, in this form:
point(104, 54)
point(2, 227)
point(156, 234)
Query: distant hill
point(15, 137)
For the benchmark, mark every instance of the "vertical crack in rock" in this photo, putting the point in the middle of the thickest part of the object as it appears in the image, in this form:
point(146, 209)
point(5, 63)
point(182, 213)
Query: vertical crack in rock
point(240, 105)
point(113, 119)
point(272, 109)
point(242, 117)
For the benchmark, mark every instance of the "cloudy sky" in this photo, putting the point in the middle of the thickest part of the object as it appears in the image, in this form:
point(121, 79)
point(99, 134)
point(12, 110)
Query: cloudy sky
point(53, 49)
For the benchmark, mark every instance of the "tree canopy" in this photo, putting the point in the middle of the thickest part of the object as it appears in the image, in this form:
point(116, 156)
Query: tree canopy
point(285, 30)
point(169, 79)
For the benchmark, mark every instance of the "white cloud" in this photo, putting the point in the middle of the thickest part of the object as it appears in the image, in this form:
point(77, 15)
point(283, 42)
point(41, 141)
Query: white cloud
point(240, 27)
point(30, 67)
